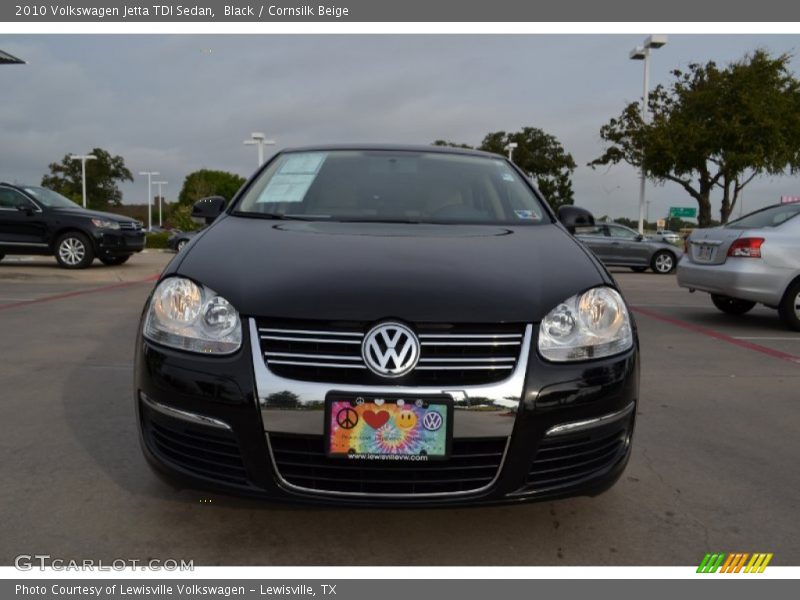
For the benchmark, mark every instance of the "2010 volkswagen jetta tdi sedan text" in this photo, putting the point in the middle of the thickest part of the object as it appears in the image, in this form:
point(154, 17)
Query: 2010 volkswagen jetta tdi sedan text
point(388, 325)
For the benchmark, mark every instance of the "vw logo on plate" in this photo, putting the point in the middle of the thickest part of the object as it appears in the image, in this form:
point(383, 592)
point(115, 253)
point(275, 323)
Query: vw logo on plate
point(390, 349)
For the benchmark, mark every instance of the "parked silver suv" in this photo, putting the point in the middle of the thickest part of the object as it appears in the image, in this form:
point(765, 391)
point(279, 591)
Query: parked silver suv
point(755, 259)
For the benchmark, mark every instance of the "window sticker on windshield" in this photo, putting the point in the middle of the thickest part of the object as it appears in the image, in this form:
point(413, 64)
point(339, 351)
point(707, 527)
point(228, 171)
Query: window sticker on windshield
point(527, 215)
point(293, 178)
point(307, 163)
point(508, 177)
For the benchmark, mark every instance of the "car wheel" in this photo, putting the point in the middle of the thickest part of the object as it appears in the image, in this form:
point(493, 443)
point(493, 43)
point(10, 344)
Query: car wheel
point(115, 260)
point(2, 256)
point(180, 245)
point(731, 306)
point(663, 262)
point(73, 251)
point(789, 308)
point(638, 269)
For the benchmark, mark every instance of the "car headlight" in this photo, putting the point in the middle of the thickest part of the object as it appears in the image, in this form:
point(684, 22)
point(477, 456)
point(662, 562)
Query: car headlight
point(190, 317)
point(105, 224)
point(590, 325)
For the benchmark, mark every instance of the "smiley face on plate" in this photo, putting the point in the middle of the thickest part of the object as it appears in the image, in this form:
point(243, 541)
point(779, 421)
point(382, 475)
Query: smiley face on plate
point(406, 419)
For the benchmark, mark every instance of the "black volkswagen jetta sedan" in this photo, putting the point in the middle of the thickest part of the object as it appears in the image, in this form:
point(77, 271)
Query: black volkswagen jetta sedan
point(388, 325)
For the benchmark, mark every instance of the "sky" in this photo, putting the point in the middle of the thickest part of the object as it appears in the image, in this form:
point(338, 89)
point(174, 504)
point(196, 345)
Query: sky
point(178, 103)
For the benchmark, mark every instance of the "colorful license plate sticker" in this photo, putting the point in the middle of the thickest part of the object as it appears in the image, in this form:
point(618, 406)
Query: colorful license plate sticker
point(370, 428)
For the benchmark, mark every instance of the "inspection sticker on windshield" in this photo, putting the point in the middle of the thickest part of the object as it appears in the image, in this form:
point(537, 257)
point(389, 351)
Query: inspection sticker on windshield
point(527, 215)
point(293, 178)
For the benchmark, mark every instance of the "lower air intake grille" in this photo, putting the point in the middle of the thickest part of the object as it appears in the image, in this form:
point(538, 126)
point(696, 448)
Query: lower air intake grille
point(566, 460)
point(301, 461)
point(212, 454)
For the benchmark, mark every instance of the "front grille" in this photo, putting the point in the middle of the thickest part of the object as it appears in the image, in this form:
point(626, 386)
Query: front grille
point(210, 453)
point(131, 225)
point(565, 460)
point(449, 354)
point(301, 461)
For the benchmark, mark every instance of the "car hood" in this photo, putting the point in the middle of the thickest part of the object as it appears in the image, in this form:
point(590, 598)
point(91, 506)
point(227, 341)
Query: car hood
point(93, 214)
point(372, 271)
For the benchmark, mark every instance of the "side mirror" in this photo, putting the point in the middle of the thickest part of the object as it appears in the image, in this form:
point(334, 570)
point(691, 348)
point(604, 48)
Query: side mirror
point(209, 208)
point(639, 237)
point(25, 208)
point(573, 216)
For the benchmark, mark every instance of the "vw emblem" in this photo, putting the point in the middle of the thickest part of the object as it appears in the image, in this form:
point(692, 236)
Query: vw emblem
point(390, 349)
point(432, 421)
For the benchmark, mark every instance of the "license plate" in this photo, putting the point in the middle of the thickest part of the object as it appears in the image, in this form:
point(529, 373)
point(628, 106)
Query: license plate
point(704, 252)
point(388, 428)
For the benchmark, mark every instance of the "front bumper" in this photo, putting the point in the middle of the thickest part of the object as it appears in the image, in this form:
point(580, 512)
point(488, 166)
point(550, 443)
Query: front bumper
point(119, 243)
point(555, 430)
point(742, 278)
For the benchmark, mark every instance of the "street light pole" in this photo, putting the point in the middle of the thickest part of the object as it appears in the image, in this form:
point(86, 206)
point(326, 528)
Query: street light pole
point(159, 184)
point(83, 158)
point(643, 53)
point(259, 139)
point(149, 197)
point(510, 148)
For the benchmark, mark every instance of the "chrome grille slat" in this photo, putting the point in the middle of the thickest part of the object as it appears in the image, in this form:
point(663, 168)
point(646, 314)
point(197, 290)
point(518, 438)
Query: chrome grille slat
point(300, 363)
point(309, 332)
point(331, 352)
point(309, 340)
point(424, 343)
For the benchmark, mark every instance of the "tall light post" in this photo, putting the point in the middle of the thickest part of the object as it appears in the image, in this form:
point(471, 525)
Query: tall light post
point(259, 139)
point(149, 197)
point(510, 148)
point(643, 53)
point(160, 198)
point(83, 158)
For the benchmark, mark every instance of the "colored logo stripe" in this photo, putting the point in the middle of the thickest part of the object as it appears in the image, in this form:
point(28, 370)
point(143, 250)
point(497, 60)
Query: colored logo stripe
point(734, 562)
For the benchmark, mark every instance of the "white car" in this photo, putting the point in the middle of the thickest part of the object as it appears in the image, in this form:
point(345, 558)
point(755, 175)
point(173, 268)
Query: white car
point(755, 259)
point(668, 236)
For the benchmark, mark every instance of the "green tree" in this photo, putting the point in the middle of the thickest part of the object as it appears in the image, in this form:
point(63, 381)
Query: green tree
point(103, 176)
point(541, 155)
point(713, 129)
point(207, 182)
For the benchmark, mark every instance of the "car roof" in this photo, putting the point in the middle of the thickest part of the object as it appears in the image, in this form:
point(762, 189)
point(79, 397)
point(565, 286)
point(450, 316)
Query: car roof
point(395, 148)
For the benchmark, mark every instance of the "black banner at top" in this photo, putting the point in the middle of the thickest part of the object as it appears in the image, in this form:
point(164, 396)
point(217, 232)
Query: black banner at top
point(254, 11)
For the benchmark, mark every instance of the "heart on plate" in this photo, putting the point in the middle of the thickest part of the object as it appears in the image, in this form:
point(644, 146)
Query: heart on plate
point(376, 420)
point(378, 401)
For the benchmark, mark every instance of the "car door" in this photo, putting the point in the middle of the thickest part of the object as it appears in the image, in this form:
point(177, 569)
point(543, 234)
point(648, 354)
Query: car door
point(597, 240)
point(627, 247)
point(20, 228)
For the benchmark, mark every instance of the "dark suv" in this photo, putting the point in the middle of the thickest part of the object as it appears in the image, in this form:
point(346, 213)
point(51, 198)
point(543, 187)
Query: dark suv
point(36, 220)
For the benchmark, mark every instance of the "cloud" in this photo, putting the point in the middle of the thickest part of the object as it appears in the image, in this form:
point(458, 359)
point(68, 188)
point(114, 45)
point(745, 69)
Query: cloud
point(176, 103)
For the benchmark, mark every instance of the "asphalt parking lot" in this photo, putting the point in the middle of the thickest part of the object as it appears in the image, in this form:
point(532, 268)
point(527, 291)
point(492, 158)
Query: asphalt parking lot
point(714, 466)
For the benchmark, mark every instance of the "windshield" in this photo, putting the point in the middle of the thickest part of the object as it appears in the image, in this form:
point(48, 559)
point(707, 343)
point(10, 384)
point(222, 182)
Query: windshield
point(50, 198)
point(768, 217)
point(392, 186)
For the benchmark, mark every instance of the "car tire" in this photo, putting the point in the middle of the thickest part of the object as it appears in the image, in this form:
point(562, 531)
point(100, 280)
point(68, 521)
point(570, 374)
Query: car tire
point(732, 306)
point(180, 245)
point(638, 269)
point(789, 308)
point(74, 251)
point(663, 262)
point(2, 256)
point(115, 260)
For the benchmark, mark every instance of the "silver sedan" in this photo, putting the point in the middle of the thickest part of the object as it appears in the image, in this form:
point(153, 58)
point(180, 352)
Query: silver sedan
point(620, 246)
point(755, 259)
